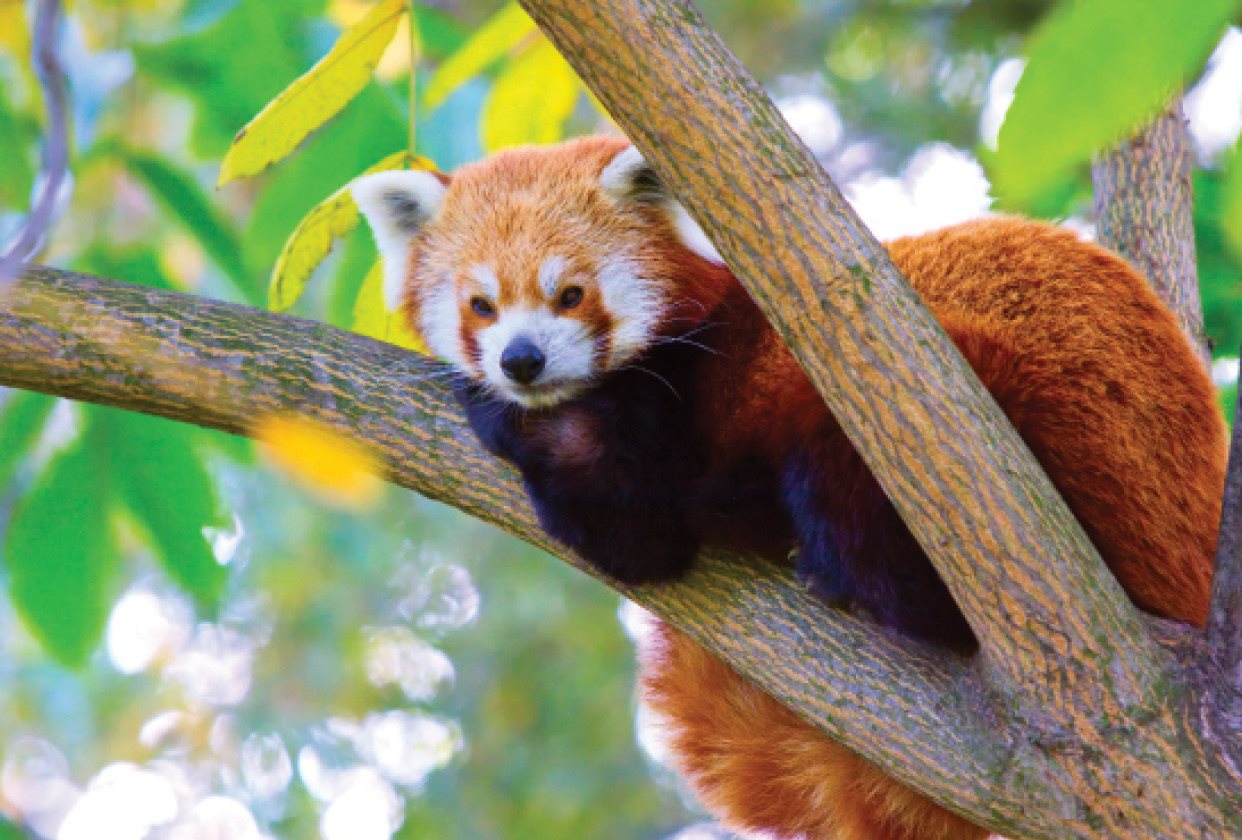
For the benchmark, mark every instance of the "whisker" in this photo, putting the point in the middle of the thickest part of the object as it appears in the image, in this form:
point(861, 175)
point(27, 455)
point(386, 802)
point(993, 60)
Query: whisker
point(679, 340)
point(667, 384)
point(700, 304)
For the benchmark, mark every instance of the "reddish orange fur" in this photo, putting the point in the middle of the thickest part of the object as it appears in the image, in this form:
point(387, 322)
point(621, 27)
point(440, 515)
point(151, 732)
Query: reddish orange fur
point(1093, 371)
point(1089, 366)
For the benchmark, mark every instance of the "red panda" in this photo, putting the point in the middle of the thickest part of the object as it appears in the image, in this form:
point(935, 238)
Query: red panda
point(601, 345)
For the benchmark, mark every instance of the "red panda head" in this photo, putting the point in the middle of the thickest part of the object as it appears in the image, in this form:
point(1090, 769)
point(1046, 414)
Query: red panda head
point(541, 268)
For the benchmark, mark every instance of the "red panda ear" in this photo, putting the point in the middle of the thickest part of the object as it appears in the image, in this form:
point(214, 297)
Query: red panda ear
point(397, 204)
point(629, 178)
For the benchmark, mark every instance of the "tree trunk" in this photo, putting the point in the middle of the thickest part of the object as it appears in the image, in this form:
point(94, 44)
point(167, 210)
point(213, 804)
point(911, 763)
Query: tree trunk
point(1143, 211)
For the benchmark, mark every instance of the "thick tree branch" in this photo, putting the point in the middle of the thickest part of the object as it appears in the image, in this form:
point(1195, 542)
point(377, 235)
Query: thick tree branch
point(924, 715)
point(225, 367)
point(1050, 616)
point(1224, 630)
point(1144, 211)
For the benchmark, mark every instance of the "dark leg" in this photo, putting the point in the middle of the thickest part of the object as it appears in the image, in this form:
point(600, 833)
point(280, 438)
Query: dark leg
point(853, 546)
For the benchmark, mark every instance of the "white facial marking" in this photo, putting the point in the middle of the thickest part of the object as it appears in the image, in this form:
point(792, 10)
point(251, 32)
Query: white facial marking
point(486, 277)
point(618, 176)
point(550, 271)
point(567, 347)
point(396, 205)
point(440, 322)
point(634, 304)
point(692, 236)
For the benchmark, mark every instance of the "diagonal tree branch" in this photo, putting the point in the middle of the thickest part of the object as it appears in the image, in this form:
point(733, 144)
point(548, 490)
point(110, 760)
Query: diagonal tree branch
point(1143, 202)
point(225, 367)
point(877, 356)
point(1144, 211)
point(1224, 630)
point(924, 715)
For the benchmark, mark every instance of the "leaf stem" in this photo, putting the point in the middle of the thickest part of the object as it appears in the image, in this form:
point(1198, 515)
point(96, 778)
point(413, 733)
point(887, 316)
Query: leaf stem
point(415, 45)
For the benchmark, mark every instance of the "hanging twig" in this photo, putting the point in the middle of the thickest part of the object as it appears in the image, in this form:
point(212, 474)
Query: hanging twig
point(54, 173)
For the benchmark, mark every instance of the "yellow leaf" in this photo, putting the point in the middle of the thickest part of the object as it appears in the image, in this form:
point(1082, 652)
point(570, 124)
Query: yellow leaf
point(372, 318)
point(397, 58)
point(497, 37)
point(531, 99)
point(14, 32)
point(314, 98)
point(15, 40)
point(312, 239)
point(345, 13)
point(336, 469)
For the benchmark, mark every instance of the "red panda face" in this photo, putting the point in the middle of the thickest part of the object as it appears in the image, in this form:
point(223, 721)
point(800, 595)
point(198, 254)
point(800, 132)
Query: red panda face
point(537, 330)
point(538, 270)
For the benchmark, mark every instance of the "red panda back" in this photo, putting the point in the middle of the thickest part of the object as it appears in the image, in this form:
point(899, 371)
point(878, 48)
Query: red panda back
point(1111, 398)
point(1100, 382)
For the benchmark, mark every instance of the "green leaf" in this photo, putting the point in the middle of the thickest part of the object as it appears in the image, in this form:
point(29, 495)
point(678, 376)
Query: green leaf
point(438, 33)
point(9, 830)
point(496, 38)
point(22, 417)
point(372, 318)
point(163, 485)
point(1231, 212)
point(357, 257)
point(1229, 402)
point(1096, 70)
point(531, 99)
point(17, 143)
point(314, 236)
point(1218, 262)
point(315, 97)
point(60, 556)
point(132, 263)
point(183, 199)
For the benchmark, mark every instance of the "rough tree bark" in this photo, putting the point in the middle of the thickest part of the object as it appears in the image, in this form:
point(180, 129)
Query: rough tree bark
point(226, 367)
point(1077, 719)
point(894, 381)
point(1062, 649)
point(1144, 211)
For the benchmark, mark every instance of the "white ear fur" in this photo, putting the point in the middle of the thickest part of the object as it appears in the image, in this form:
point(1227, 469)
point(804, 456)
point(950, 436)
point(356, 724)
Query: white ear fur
point(621, 173)
point(397, 204)
point(692, 236)
point(628, 177)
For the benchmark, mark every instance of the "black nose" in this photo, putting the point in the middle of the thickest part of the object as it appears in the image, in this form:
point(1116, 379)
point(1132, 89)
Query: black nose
point(522, 361)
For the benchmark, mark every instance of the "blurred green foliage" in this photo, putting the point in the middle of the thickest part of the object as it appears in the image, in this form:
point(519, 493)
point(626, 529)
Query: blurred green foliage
point(17, 134)
point(1219, 276)
point(1094, 71)
point(59, 557)
point(95, 502)
point(227, 83)
point(181, 198)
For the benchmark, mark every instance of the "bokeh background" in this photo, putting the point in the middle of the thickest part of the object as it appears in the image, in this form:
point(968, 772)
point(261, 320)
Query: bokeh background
point(239, 656)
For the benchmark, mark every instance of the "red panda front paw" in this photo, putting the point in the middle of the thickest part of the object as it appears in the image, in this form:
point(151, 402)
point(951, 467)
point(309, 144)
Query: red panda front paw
point(833, 589)
point(493, 420)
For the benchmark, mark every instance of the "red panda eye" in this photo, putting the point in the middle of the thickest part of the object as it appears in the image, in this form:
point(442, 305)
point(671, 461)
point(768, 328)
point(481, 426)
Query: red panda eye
point(482, 307)
point(571, 297)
